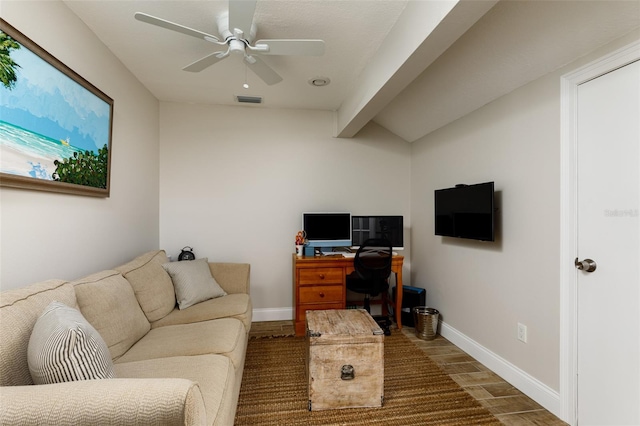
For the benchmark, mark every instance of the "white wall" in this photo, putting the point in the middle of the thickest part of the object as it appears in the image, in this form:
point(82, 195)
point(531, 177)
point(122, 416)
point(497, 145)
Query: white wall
point(46, 235)
point(484, 289)
point(235, 180)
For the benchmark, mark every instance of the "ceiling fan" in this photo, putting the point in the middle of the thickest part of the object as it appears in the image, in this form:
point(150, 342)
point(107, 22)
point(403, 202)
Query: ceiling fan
point(237, 31)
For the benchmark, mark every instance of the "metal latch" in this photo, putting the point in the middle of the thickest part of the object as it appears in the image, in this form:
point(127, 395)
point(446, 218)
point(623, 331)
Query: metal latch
point(347, 372)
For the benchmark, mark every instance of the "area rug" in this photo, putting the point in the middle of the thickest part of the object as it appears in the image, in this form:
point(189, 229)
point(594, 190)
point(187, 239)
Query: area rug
point(416, 390)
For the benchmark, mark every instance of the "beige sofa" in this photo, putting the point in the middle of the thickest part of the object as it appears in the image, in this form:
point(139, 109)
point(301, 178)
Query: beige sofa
point(171, 366)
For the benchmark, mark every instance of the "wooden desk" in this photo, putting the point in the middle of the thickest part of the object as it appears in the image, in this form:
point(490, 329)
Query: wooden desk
point(319, 282)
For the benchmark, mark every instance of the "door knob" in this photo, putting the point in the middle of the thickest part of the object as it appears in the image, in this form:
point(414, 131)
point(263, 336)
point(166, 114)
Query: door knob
point(586, 265)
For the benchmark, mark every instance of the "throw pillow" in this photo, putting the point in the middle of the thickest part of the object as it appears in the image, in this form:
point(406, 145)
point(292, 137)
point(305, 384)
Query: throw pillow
point(193, 282)
point(64, 347)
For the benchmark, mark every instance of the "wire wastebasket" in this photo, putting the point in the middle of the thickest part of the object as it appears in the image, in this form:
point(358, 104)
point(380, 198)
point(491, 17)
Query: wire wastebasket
point(426, 321)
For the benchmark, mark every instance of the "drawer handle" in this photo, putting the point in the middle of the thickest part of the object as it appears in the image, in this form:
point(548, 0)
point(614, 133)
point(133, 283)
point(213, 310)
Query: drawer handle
point(347, 372)
point(321, 276)
point(321, 294)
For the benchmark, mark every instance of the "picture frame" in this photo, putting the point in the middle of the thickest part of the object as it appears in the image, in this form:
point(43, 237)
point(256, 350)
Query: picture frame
point(55, 126)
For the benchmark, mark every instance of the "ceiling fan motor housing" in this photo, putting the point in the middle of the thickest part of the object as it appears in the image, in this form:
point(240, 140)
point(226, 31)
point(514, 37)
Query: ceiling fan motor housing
point(236, 46)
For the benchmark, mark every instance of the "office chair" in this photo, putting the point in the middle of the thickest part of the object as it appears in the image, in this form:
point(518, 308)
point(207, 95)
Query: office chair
point(372, 265)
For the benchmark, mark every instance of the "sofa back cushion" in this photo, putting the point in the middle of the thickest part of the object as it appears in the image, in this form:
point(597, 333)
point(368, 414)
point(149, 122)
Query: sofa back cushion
point(107, 301)
point(151, 284)
point(19, 311)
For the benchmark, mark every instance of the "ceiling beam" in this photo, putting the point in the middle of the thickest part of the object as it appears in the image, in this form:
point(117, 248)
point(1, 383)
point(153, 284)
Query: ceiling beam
point(422, 33)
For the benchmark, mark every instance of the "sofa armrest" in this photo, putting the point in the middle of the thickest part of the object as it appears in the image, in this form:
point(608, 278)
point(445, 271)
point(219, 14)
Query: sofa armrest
point(232, 277)
point(104, 402)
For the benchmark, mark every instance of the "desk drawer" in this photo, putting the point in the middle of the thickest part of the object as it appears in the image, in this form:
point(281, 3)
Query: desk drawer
point(320, 294)
point(320, 276)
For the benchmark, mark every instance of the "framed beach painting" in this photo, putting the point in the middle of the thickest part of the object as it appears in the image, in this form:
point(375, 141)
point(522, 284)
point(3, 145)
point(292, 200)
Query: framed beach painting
point(55, 127)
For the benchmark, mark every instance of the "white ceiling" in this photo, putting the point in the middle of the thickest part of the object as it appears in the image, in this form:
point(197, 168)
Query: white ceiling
point(410, 66)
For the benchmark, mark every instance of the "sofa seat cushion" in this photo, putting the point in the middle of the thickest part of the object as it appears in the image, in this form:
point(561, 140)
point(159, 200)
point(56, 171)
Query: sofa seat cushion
point(229, 306)
point(214, 374)
point(107, 301)
point(64, 347)
point(151, 283)
point(225, 336)
point(19, 310)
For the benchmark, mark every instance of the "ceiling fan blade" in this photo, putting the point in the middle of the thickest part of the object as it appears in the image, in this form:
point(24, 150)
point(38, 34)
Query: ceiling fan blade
point(143, 17)
point(205, 62)
point(241, 15)
point(262, 70)
point(291, 47)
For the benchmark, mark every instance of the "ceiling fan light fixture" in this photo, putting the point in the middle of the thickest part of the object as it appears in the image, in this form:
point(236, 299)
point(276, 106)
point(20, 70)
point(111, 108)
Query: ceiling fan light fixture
point(319, 81)
point(236, 46)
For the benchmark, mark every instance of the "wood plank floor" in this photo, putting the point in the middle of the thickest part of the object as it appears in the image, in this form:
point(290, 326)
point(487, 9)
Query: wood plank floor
point(507, 403)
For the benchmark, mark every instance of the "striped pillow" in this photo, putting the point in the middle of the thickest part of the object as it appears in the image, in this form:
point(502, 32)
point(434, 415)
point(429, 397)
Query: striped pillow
point(64, 347)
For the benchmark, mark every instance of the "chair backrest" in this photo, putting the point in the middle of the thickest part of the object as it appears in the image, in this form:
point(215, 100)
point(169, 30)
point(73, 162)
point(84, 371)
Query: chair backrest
point(373, 260)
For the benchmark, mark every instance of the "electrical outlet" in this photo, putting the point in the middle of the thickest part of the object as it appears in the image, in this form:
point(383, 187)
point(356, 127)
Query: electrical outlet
point(522, 333)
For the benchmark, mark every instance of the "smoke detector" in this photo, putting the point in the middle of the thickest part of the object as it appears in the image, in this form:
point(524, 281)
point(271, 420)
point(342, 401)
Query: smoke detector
point(319, 81)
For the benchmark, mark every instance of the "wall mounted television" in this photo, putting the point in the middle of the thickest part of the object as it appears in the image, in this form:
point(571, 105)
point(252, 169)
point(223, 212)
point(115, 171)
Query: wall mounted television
point(389, 227)
point(327, 229)
point(466, 211)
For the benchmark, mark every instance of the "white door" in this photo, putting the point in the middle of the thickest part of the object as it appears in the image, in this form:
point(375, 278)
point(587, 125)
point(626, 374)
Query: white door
point(608, 306)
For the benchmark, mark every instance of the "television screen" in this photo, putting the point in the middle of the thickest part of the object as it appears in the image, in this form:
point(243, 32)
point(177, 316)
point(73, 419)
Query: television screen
point(466, 211)
point(389, 227)
point(327, 229)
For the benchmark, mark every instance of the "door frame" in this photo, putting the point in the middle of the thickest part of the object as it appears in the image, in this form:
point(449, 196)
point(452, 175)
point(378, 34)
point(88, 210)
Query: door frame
point(568, 218)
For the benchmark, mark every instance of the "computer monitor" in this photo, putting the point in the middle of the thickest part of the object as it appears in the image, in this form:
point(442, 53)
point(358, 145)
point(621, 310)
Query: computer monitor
point(327, 229)
point(389, 227)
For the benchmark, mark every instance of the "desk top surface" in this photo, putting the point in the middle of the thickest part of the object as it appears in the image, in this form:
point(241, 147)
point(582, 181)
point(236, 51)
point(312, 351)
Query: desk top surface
point(333, 257)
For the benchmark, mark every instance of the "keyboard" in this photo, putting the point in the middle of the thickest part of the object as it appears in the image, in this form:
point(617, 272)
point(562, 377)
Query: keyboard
point(350, 255)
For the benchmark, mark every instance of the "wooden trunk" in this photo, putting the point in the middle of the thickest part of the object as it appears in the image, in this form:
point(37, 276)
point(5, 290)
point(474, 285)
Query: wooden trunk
point(345, 359)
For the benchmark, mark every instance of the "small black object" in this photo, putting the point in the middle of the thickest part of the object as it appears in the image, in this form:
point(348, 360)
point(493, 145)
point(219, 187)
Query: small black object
point(186, 254)
point(384, 323)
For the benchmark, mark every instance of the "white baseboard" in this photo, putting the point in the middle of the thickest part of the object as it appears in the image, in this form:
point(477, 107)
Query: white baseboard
point(527, 384)
point(272, 314)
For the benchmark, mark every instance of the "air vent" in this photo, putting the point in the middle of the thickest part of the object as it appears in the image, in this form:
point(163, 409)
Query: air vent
point(249, 99)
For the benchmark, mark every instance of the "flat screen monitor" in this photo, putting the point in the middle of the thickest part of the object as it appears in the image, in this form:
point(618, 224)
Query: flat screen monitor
point(389, 227)
point(327, 229)
point(466, 211)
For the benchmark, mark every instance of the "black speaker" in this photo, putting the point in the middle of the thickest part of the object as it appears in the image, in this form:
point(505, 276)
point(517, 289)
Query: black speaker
point(411, 297)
